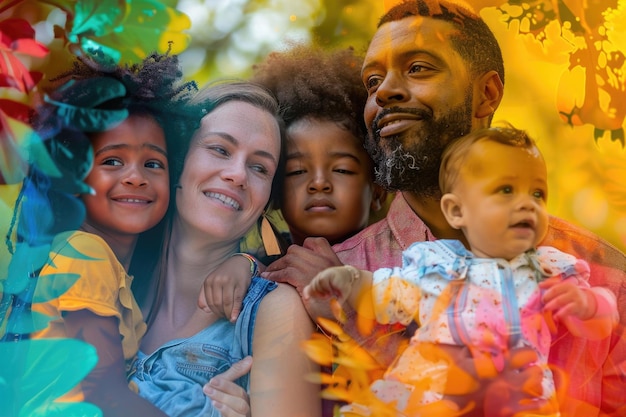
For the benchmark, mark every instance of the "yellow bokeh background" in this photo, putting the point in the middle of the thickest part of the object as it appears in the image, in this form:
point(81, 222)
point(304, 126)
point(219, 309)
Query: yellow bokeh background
point(586, 185)
point(586, 177)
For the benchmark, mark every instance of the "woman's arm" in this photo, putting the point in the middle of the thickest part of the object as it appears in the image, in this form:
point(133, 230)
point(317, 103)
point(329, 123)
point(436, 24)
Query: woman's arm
point(106, 385)
point(278, 380)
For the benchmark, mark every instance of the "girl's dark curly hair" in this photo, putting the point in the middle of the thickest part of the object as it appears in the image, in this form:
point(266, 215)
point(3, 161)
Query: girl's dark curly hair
point(91, 98)
point(153, 87)
point(309, 81)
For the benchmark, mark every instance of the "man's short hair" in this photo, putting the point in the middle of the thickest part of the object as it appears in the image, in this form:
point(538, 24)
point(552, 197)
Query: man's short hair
point(475, 42)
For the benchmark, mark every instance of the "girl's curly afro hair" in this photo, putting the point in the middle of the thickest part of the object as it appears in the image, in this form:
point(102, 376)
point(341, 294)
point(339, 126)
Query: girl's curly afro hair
point(310, 82)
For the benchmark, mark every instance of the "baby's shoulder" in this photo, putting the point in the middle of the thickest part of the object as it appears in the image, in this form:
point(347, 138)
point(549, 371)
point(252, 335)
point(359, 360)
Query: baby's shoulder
point(561, 263)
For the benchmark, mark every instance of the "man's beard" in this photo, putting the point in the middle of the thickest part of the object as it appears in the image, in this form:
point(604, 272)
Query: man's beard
point(415, 167)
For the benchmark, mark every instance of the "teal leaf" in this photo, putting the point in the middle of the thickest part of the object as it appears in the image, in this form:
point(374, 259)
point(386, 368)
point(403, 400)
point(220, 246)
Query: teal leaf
point(33, 373)
point(28, 322)
point(25, 262)
point(104, 55)
point(66, 410)
point(92, 120)
point(71, 252)
point(97, 18)
point(90, 92)
point(52, 286)
point(80, 98)
point(19, 146)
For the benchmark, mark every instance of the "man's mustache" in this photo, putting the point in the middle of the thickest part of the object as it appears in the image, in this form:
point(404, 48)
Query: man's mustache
point(420, 113)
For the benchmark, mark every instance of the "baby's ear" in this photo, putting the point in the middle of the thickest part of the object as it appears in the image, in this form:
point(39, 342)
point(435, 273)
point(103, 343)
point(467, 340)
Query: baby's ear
point(452, 210)
point(379, 195)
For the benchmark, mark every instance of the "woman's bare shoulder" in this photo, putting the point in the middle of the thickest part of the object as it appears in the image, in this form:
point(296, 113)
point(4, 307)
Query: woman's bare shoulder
point(284, 300)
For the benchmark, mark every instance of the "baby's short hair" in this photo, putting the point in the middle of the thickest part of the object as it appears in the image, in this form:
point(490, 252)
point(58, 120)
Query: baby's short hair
point(457, 150)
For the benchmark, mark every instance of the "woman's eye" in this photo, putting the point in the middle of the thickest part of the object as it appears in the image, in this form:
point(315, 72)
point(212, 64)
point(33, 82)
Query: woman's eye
point(260, 169)
point(219, 150)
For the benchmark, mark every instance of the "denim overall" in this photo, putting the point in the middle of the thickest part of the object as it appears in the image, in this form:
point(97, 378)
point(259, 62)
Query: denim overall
point(172, 377)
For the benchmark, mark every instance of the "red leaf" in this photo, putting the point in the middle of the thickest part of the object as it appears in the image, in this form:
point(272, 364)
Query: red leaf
point(29, 47)
point(15, 73)
point(17, 37)
point(16, 29)
point(15, 110)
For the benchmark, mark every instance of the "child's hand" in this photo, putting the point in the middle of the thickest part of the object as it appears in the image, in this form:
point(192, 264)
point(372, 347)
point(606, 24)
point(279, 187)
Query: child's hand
point(301, 263)
point(335, 281)
point(566, 299)
point(223, 291)
point(229, 398)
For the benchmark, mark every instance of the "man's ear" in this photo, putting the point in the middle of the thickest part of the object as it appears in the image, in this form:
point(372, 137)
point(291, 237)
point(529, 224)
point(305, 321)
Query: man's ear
point(379, 195)
point(488, 94)
point(452, 210)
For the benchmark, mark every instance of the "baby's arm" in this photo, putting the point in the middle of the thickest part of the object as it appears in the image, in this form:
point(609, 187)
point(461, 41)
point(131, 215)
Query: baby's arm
point(587, 312)
point(223, 291)
point(346, 283)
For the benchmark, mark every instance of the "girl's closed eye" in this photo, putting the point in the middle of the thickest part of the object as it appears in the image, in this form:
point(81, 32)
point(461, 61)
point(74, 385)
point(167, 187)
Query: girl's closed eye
point(294, 167)
point(295, 172)
point(344, 171)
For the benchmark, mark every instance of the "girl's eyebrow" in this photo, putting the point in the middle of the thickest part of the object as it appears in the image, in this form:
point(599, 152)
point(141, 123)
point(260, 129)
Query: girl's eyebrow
point(156, 148)
point(230, 138)
point(345, 155)
point(124, 145)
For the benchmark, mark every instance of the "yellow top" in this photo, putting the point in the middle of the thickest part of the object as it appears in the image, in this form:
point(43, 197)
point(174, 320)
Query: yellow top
point(103, 287)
